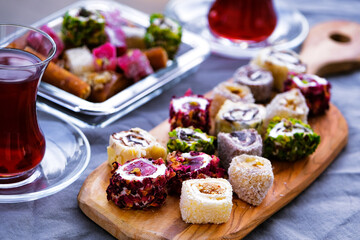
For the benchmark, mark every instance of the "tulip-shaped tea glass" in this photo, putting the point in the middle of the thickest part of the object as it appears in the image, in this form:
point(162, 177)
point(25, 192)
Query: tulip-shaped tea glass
point(22, 144)
point(240, 28)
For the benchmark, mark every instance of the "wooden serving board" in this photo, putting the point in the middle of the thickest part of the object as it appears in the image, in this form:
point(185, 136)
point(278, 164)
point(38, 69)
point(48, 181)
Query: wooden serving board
point(165, 223)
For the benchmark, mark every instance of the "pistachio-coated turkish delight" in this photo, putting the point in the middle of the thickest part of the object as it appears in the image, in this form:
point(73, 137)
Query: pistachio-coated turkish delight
point(190, 139)
point(83, 27)
point(163, 32)
point(289, 140)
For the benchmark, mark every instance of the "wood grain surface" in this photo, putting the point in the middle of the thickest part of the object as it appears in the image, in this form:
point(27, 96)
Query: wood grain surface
point(165, 223)
point(332, 47)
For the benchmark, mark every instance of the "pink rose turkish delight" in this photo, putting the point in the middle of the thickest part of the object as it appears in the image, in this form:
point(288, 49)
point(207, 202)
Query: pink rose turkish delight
point(135, 65)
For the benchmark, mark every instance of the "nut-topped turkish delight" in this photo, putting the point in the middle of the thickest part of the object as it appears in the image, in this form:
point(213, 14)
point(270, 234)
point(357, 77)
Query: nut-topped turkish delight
point(190, 111)
point(192, 165)
point(315, 89)
point(279, 63)
point(289, 140)
point(290, 104)
point(259, 80)
point(163, 32)
point(139, 184)
point(230, 145)
point(234, 116)
point(251, 178)
point(83, 27)
point(232, 91)
point(135, 143)
point(206, 200)
point(190, 139)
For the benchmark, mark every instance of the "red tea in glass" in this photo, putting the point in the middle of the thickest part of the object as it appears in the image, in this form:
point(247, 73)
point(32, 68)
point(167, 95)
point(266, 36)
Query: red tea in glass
point(22, 145)
point(245, 20)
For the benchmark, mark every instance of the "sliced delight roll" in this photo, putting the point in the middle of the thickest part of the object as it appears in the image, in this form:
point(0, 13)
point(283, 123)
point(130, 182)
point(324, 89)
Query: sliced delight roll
point(190, 139)
point(206, 201)
point(232, 91)
point(279, 63)
point(191, 165)
point(139, 184)
point(259, 80)
point(251, 178)
point(230, 145)
point(190, 111)
point(237, 116)
point(289, 140)
point(315, 89)
point(135, 143)
point(83, 27)
point(290, 104)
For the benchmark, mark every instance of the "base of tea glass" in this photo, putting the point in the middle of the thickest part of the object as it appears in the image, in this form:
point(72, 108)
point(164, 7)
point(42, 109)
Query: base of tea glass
point(290, 31)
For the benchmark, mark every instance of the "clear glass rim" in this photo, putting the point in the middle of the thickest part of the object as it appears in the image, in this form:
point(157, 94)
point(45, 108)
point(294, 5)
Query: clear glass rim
point(49, 56)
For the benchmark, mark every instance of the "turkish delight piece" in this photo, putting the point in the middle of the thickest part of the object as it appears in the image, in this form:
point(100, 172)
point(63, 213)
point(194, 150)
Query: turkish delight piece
point(289, 140)
point(83, 27)
point(206, 200)
point(190, 139)
point(190, 111)
point(234, 116)
point(290, 104)
point(279, 63)
point(163, 32)
point(232, 91)
point(139, 184)
point(259, 80)
point(135, 143)
point(135, 65)
point(251, 178)
point(191, 165)
point(230, 145)
point(315, 89)
point(79, 60)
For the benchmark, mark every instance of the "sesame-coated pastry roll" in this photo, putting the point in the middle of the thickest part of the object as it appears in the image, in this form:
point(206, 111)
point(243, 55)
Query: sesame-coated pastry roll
point(259, 80)
point(190, 111)
point(135, 143)
point(251, 178)
point(290, 104)
point(230, 145)
point(206, 200)
point(139, 184)
point(232, 91)
point(289, 140)
point(234, 116)
point(279, 63)
point(190, 139)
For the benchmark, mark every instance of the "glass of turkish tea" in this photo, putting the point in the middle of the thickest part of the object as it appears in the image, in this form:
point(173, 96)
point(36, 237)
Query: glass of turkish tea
point(24, 55)
point(242, 20)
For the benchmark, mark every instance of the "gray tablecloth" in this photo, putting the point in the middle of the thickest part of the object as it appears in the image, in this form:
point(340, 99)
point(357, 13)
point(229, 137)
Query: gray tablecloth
point(328, 209)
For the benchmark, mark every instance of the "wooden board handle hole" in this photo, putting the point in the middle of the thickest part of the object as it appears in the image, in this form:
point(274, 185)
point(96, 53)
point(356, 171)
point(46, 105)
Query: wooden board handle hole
point(340, 38)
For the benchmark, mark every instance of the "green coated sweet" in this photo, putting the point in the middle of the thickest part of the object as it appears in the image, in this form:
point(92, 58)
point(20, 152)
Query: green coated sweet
point(83, 28)
point(289, 140)
point(163, 32)
point(188, 139)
